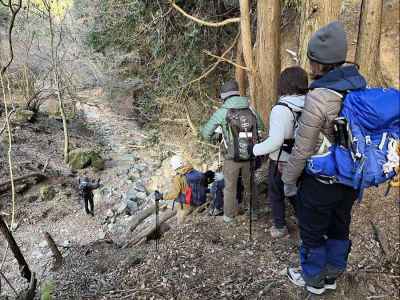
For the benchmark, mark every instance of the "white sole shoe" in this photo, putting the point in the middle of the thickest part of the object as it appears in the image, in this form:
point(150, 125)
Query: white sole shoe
point(330, 286)
point(316, 291)
point(294, 275)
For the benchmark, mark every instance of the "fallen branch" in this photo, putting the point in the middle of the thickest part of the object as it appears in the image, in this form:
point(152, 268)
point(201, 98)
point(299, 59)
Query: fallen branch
point(36, 177)
point(140, 216)
point(209, 145)
point(56, 253)
point(145, 233)
point(189, 120)
point(168, 120)
point(226, 60)
point(8, 282)
point(202, 22)
point(201, 208)
point(23, 266)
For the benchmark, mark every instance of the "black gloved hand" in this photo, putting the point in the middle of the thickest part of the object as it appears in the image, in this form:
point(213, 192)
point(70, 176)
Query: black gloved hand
point(158, 196)
point(210, 177)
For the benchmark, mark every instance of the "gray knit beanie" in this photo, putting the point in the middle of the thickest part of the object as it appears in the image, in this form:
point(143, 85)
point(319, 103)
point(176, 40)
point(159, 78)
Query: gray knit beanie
point(230, 88)
point(328, 45)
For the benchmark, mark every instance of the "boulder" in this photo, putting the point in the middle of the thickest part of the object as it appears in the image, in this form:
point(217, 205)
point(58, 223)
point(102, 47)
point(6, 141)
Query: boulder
point(47, 193)
point(83, 158)
point(22, 116)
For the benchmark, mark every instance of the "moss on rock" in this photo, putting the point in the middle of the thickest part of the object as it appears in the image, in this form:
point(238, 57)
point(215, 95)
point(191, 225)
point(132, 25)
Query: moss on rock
point(83, 158)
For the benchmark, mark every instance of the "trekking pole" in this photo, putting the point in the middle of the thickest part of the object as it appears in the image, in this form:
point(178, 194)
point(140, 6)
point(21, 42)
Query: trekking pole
point(157, 200)
point(251, 196)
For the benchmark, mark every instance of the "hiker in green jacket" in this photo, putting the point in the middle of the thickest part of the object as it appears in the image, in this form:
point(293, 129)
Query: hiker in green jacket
point(232, 169)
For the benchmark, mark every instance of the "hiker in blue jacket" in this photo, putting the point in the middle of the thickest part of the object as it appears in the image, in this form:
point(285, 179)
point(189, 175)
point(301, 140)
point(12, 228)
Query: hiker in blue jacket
point(323, 207)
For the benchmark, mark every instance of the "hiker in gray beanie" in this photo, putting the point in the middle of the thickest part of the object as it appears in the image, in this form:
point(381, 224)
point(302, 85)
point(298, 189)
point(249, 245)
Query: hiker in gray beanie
point(233, 103)
point(328, 45)
point(323, 207)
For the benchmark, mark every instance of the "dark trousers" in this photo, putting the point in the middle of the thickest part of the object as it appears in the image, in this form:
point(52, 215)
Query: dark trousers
point(324, 210)
point(89, 204)
point(276, 195)
point(324, 214)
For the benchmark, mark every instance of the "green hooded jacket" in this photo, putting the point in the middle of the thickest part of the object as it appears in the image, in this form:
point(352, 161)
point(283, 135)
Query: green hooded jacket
point(219, 117)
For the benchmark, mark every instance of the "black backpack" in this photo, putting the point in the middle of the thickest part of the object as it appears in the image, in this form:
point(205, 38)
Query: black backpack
point(242, 131)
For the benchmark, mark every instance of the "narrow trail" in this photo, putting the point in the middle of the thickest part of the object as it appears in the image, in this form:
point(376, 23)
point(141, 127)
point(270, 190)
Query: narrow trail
point(64, 217)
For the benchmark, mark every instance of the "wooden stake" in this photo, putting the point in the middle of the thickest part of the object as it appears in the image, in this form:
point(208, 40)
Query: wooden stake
point(23, 266)
point(53, 247)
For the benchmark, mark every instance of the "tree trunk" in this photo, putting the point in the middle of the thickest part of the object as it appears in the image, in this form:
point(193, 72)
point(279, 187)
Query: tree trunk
point(245, 27)
point(314, 15)
point(56, 74)
point(368, 44)
point(240, 74)
point(9, 151)
point(268, 55)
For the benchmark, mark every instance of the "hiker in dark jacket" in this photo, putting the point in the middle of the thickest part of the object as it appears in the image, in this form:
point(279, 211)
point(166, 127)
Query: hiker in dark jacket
point(86, 188)
point(232, 100)
point(292, 87)
point(323, 208)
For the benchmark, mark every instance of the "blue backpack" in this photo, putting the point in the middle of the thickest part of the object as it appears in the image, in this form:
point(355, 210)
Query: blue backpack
point(195, 193)
point(367, 132)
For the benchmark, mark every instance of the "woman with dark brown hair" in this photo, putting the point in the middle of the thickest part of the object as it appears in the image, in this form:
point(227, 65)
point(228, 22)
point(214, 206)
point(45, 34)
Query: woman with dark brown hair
point(292, 87)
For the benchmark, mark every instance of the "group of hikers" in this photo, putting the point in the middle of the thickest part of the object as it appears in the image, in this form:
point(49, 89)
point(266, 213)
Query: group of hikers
point(361, 126)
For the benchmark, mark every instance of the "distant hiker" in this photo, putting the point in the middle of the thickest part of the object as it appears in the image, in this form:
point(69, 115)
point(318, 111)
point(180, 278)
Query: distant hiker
point(292, 87)
point(240, 125)
point(86, 188)
point(188, 187)
point(323, 207)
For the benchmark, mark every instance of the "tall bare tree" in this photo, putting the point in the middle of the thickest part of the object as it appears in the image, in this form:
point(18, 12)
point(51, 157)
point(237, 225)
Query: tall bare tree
point(268, 65)
point(48, 5)
point(314, 15)
point(368, 44)
point(14, 8)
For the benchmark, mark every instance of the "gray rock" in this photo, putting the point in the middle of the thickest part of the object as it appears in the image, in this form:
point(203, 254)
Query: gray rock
point(140, 167)
point(140, 187)
point(22, 116)
point(131, 195)
point(141, 196)
point(132, 207)
point(101, 235)
point(122, 208)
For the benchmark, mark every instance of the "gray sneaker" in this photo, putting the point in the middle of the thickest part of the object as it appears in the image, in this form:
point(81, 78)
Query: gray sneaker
point(278, 232)
point(228, 220)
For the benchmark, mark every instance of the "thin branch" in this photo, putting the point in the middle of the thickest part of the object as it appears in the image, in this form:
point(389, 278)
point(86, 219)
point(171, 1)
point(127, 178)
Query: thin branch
point(14, 12)
point(8, 119)
point(8, 282)
point(214, 66)
point(226, 60)
point(202, 22)
point(4, 257)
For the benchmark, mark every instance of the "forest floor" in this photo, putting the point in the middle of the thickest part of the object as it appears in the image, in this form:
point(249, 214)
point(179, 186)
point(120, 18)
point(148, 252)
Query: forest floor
point(203, 259)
